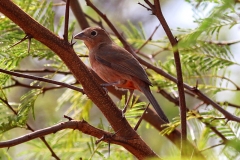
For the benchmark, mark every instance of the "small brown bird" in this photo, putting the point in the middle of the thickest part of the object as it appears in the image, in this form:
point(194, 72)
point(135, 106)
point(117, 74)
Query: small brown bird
point(117, 66)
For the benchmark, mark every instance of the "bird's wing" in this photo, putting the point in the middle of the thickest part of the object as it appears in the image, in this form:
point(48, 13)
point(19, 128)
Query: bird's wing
point(121, 60)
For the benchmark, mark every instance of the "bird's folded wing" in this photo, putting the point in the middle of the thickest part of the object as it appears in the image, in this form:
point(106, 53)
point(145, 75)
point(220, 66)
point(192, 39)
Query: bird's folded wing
point(122, 61)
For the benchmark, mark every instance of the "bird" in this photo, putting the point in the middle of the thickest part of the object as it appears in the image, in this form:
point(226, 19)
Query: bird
point(117, 66)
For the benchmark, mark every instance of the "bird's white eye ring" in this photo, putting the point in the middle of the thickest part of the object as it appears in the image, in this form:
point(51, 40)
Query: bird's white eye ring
point(94, 33)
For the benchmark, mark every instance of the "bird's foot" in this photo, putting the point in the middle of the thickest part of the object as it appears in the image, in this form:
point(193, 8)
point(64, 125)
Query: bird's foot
point(104, 87)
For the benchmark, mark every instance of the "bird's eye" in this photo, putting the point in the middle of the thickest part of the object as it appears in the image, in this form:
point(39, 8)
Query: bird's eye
point(94, 33)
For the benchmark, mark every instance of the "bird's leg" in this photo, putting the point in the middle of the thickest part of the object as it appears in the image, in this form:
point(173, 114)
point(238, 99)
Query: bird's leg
point(110, 84)
point(130, 95)
point(104, 85)
point(128, 100)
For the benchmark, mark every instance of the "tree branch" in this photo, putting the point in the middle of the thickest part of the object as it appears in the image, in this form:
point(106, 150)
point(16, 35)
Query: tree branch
point(92, 89)
point(20, 84)
point(42, 79)
point(65, 35)
point(42, 71)
point(82, 126)
point(149, 39)
point(156, 10)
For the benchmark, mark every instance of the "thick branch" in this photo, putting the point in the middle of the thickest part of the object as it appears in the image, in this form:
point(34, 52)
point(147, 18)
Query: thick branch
point(92, 89)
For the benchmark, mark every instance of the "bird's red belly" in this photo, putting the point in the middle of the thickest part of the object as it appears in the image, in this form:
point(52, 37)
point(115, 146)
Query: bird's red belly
point(111, 76)
point(127, 85)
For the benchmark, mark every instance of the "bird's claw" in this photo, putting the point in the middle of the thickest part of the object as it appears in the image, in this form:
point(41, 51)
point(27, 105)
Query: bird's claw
point(104, 87)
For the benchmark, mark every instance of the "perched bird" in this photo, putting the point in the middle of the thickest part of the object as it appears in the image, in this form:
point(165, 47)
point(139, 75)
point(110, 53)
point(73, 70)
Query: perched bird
point(117, 66)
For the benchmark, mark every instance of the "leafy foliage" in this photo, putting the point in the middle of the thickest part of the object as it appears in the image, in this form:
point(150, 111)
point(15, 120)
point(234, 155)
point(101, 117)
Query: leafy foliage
point(203, 56)
point(24, 107)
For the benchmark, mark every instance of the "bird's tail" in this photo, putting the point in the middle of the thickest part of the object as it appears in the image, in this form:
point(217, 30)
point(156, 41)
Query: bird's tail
point(153, 101)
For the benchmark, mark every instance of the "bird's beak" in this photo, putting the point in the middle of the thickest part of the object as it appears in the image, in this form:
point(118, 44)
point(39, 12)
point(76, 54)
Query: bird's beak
point(80, 36)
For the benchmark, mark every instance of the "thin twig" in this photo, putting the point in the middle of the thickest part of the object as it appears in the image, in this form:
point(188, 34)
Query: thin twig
point(20, 84)
point(221, 77)
point(27, 36)
point(149, 9)
point(99, 23)
point(201, 119)
point(145, 56)
point(207, 100)
point(229, 104)
point(224, 139)
point(221, 43)
point(141, 118)
point(198, 106)
point(69, 118)
point(149, 39)
point(160, 51)
point(218, 103)
point(42, 79)
point(213, 146)
point(237, 87)
point(42, 71)
point(65, 35)
point(168, 96)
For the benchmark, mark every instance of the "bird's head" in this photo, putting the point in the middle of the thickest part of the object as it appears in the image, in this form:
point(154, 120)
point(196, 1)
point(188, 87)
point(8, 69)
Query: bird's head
point(93, 36)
